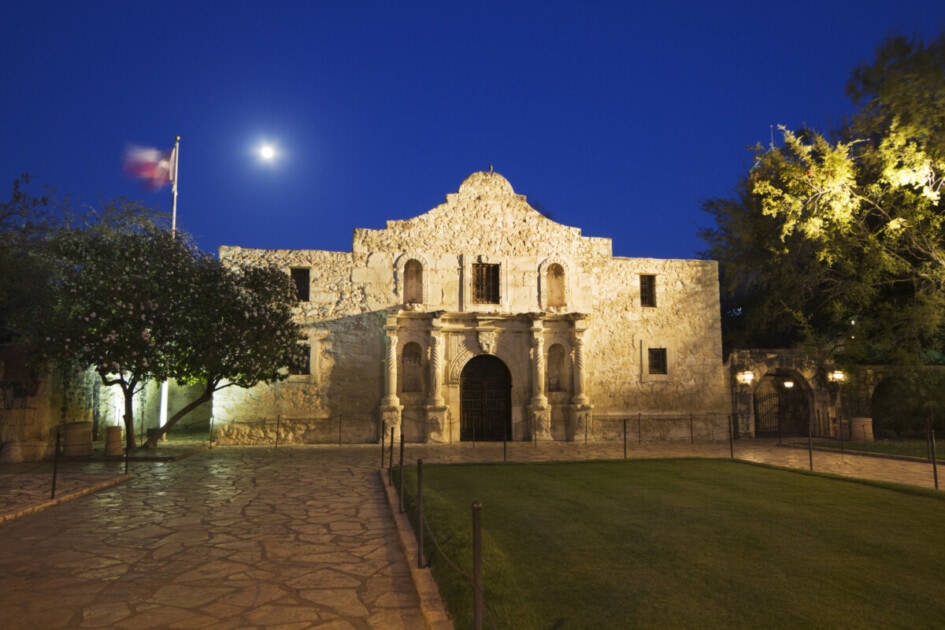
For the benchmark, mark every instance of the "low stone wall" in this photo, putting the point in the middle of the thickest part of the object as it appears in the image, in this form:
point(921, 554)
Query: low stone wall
point(643, 428)
point(272, 431)
point(640, 428)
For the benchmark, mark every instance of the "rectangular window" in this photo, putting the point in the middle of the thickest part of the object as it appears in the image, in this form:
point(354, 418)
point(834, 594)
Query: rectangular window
point(485, 284)
point(657, 361)
point(301, 279)
point(647, 290)
point(302, 366)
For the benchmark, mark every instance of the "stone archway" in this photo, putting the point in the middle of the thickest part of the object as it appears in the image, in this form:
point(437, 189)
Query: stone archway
point(782, 406)
point(486, 400)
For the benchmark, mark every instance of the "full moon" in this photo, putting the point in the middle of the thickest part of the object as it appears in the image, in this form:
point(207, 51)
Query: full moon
point(267, 152)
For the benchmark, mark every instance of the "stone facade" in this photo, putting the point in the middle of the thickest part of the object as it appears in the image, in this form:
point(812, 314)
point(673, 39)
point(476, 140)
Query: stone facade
point(484, 319)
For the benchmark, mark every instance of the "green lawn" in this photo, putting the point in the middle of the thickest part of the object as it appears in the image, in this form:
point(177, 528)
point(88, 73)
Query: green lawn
point(684, 543)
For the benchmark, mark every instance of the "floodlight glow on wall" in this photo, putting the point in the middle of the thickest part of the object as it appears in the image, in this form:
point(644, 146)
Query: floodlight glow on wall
point(745, 378)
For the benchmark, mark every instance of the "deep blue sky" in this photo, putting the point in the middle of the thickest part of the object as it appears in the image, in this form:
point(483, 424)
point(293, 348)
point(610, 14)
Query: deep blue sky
point(616, 117)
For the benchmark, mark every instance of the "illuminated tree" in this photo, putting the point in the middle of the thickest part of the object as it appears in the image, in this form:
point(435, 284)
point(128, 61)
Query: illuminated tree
point(841, 242)
point(119, 284)
point(136, 303)
point(235, 327)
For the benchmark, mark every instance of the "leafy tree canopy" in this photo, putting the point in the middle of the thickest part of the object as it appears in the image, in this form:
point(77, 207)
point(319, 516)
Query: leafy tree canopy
point(122, 294)
point(837, 241)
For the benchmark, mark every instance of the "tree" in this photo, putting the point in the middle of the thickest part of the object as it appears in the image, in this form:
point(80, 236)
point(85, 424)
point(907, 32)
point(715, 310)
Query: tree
point(23, 220)
point(845, 236)
point(135, 302)
point(121, 278)
point(238, 328)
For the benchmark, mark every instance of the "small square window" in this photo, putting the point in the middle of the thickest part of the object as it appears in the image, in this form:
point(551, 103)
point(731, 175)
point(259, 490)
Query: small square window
point(657, 361)
point(647, 290)
point(485, 284)
point(302, 283)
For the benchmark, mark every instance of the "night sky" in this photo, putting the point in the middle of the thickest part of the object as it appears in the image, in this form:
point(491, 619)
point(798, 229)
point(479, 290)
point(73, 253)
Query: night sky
point(619, 118)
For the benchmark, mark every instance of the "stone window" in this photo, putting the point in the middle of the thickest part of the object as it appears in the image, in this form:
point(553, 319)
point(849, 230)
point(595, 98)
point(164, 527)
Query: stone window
point(300, 276)
point(411, 368)
point(302, 366)
point(657, 361)
point(555, 283)
point(413, 282)
point(485, 283)
point(647, 290)
point(557, 371)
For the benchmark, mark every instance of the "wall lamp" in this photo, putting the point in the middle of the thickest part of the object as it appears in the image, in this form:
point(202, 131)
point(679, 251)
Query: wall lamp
point(745, 378)
point(837, 376)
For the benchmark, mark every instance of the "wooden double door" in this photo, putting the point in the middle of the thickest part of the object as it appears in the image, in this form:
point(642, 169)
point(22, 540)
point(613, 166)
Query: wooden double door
point(486, 399)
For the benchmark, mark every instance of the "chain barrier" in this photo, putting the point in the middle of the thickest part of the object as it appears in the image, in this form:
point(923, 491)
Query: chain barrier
point(428, 534)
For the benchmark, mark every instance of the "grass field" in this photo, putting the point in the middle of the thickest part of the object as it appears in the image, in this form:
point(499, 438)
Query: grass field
point(691, 543)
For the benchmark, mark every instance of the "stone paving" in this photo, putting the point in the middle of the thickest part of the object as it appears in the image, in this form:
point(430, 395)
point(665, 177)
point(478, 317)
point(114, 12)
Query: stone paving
point(229, 538)
point(255, 537)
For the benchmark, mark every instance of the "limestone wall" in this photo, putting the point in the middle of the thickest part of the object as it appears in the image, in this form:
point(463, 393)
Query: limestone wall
point(357, 299)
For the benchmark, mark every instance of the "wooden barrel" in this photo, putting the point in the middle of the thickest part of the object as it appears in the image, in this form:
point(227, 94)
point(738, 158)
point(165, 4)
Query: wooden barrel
point(113, 441)
point(77, 439)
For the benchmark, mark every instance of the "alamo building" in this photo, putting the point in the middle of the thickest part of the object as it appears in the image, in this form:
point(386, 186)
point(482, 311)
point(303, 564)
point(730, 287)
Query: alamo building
point(482, 319)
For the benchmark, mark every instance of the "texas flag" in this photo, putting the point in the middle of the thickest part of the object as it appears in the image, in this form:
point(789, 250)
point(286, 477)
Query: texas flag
point(154, 167)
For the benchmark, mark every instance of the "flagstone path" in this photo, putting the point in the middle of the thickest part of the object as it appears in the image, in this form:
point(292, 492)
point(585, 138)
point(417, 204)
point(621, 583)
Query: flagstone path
point(228, 538)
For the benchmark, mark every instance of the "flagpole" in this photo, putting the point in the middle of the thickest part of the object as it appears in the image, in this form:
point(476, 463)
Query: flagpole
point(162, 420)
point(174, 185)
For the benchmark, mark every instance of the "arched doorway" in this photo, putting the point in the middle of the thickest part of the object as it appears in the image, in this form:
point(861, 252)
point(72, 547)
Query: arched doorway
point(486, 398)
point(782, 406)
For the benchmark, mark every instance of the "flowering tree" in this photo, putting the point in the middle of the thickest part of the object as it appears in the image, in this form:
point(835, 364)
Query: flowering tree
point(237, 328)
point(136, 303)
point(115, 292)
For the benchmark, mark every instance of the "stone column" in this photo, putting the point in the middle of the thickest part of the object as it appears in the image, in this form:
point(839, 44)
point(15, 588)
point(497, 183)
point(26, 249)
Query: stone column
point(437, 414)
point(538, 412)
point(580, 403)
point(391, 408)
point(538, 365)
point(390, 373)
point(436, 369)
point(577, 344)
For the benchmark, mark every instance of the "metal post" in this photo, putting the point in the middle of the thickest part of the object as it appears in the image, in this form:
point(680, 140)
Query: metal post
point(382, 448)
point(810, 446)
point(625, 438)
point(211, 429)
point(401, 485)
point(278, 428)
point(55, 470)
point(731, 437)
point(390, 459)
point(477, 566)
point(420, 514)
point(934, 461)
